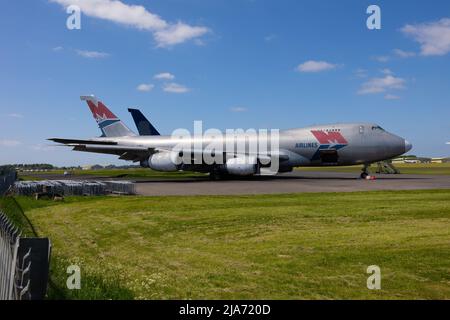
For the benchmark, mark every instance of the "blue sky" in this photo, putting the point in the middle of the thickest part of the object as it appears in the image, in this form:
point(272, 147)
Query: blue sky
point(232, 64)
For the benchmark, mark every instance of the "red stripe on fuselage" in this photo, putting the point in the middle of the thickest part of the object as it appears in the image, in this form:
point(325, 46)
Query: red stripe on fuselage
point(333, 137)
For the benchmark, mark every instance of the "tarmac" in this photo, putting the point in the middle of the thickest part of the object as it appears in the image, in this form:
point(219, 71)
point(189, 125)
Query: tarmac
point(294, 182)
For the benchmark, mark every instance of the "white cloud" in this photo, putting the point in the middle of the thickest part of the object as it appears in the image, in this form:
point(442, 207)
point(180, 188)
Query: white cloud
point(178, 33)
point(137, 16)
point(386, 71)
point(360, 73)
point(92, 54)
point(404, 54)
point(15, 115)
point(315, 66)
point(238, 109)
point(164, 76)
point(270, 37)
point(175, 88)
point(59, 48)
point(379, 85)
point(391, 97)
point(434, 37)
point(381, 58)
point(9, 143)
point(119, 12)
point(145, 87)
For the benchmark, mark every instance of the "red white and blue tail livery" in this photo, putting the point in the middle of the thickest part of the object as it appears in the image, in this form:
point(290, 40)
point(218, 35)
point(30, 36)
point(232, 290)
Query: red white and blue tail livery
point(109, 124)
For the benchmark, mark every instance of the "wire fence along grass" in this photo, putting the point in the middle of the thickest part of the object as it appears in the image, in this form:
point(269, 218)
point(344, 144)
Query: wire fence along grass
point(10, 207)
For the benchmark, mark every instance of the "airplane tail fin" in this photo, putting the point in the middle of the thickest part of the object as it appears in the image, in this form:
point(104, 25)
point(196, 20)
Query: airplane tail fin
point(109, 124)
point(145, 128)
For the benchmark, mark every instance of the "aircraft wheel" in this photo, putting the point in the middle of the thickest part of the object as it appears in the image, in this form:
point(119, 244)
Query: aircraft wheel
point(364, 175)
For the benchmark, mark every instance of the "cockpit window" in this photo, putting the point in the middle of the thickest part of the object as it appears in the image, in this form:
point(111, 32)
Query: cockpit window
point(377, 128)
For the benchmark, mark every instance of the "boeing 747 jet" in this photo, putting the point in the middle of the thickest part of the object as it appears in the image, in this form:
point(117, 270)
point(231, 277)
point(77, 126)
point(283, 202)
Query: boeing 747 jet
point(341, 144)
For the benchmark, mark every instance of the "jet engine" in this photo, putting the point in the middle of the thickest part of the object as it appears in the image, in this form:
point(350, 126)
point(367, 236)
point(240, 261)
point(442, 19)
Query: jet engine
point(162, 161)
point(242, 166)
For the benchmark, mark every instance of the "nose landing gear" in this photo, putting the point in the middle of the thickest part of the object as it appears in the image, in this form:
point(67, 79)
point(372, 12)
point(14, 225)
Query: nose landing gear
point(365, 175)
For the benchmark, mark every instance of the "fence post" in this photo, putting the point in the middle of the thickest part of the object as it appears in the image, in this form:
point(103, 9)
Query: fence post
point(15, 249)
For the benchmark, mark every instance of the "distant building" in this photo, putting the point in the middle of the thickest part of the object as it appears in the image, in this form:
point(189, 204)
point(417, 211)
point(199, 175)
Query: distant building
point(92, 167)
point(440, 160)
point(410, 160)
point(398, 161)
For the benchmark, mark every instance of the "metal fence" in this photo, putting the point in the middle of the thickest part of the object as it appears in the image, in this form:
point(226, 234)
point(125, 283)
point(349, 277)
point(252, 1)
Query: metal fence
point(73, 187)
point(24, 264)
point(9, 245)
point(7, 179)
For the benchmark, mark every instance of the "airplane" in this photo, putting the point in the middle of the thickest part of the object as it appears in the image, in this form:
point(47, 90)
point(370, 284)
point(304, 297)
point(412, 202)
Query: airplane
point(341, 144)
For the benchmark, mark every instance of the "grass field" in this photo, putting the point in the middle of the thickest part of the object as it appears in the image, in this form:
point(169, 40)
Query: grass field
point(115, 173)
point(303, 246)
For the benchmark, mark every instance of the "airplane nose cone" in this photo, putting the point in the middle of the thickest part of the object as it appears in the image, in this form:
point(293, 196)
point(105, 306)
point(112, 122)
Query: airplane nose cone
point(408, 146)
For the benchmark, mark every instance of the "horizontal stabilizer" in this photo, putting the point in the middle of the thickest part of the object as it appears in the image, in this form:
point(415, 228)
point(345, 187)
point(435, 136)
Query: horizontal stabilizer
point(76, 141)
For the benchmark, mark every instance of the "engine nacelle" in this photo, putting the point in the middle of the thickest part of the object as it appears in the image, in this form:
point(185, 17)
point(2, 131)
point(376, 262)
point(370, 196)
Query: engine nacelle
point(162, 161)
point(242, 166)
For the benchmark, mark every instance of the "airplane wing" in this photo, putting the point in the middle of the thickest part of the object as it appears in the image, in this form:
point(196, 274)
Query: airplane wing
point(131, 153)
point(136, 154)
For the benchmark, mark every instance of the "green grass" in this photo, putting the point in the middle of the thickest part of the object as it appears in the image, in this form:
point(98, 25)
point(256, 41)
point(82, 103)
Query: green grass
point(413, 168)
point(295, 246)
point(134, 173)
point(16, 215)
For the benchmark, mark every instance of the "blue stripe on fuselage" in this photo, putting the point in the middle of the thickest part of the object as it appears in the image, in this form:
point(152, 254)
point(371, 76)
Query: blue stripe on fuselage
point(336, 147)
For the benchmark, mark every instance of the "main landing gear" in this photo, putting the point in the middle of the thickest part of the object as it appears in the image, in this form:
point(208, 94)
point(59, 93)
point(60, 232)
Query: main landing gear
point(215, 175)
point(365, 173)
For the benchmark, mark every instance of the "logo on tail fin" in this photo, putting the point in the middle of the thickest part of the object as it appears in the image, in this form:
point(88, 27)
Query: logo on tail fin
point(109, 124)
point(99, 110)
